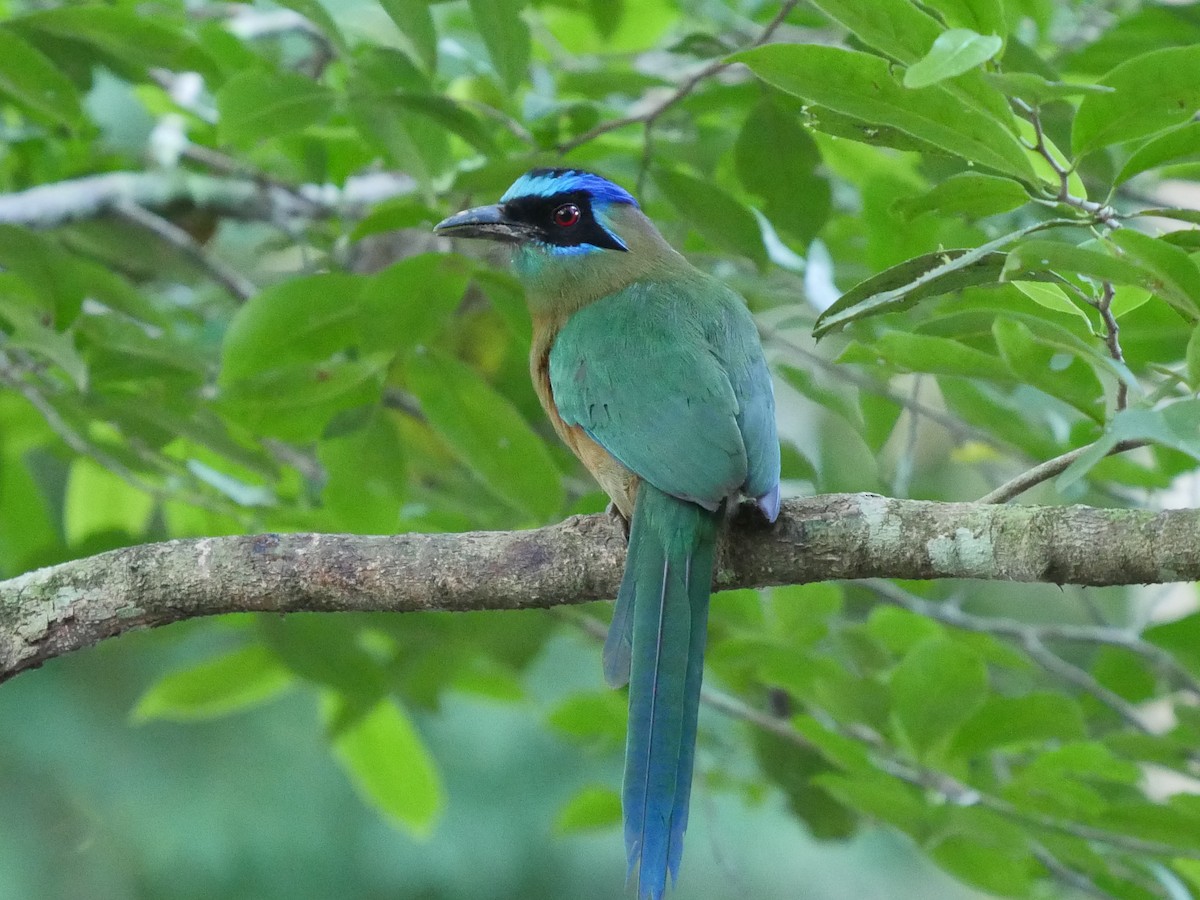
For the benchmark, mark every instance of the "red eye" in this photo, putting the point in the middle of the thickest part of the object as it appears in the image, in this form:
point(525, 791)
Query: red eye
point(566, 215)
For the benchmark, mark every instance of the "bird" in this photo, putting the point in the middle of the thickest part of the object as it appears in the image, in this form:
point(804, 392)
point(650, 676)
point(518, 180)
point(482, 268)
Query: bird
point(653, 374)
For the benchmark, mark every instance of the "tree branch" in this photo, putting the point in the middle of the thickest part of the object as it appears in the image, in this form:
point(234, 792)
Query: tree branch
point(228, 277)
point(62, 608)
point(1051, 468)
point(51, 205)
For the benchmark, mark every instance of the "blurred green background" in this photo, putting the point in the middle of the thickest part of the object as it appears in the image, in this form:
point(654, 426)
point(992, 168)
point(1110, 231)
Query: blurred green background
point(222, 311)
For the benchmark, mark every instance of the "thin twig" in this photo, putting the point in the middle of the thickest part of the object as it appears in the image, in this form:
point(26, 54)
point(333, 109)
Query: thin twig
point(10, 376)
point(1067, 875)
point(1033, 638)
point(1051, 468)
point(1112, 337)
point(689, 84)
point(1100, 212)
point(233, 281)
point(952, 789)
point(962, 431)
point(403, 401)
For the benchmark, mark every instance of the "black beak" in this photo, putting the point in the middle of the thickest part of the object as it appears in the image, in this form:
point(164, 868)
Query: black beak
point(484, 222)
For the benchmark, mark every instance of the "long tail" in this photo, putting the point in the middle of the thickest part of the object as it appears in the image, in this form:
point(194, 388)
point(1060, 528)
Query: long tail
point(665, 591)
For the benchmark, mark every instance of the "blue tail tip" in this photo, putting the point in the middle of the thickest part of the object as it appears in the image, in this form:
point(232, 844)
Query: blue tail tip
point(768, 503)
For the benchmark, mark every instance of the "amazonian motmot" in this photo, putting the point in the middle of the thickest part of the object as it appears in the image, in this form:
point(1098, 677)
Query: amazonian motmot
point(653, 374)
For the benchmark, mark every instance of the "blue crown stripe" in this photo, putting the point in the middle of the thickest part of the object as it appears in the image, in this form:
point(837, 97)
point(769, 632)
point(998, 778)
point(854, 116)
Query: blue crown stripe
point(548, 182)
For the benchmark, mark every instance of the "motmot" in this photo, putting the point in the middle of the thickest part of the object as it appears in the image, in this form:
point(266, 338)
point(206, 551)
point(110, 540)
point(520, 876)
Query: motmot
point(652, 372)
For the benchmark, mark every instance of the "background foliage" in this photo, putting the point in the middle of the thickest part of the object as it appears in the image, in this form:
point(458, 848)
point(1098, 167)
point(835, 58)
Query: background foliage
point(221, 310)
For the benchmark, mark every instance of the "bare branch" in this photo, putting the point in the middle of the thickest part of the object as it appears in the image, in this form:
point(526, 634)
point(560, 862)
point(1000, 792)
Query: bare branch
point(1032, 638)
point(51, 205)
point(1100, 212)
point(232, 280)
point(1051, 468)
point(73, 605)
point(1112, 337)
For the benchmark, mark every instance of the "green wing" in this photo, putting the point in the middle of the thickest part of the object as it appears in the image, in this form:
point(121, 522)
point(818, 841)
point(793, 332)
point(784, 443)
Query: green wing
point(638, 371)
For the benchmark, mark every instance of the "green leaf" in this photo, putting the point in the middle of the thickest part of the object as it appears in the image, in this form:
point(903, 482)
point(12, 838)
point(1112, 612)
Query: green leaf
point(1181, 637)
point(896, 27)
point(1019, 721)
point(900, 630)
point(1051, 296)
point(713, 212)
point(216, 687)
point(487, 434)
point(861, 85)
point(588, 810)
point(97, 501)
point(954, 52)
point(506, 37)
point(1175, 277)
point(410, 301)
point(1181, 145)
point(969, 194)
point(1036, 90)
point(928, 275)
point(413, 19)
point(297, 401)
point(125, 36)
point(54, 346)
point(365, 481)
point(877, 795)
point(982, 16)
point(901, 30)
point(937, 687)
point(445, 113)
point(306, 319)
point(393, 215)
point(1044, 366)
point(593, 718)
point(1192, 359)
point(30, 78)
point(926, 353)
point(254, 106)
point(319, 17)
point(1042, 256)
point(1152, 92)
point(390, 765)
point(776, 158)
point(1176, 425)
point(793, 770)
point(985, 850)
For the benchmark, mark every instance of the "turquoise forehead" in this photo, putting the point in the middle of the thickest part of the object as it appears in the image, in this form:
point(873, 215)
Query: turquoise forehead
point(548, 182)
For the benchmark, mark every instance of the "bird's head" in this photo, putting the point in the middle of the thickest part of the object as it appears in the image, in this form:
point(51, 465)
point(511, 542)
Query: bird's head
point(576, 235)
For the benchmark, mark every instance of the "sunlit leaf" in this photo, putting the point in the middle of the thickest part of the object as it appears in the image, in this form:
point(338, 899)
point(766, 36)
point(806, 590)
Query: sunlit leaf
point(219, 686)
point(954, 52)
point(861, 85)
point(416, 24)
point(591, 808)
point(28, 77)
point(969, 194)
point(255, 106)
point(1151, 92)
point(506, 37)
point(936, 688)
point(391, 766)
point(713, 212)
point(487, 434)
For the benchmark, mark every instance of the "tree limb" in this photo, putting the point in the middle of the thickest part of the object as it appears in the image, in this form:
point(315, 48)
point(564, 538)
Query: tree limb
point(56, 610)
point(51, 205)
